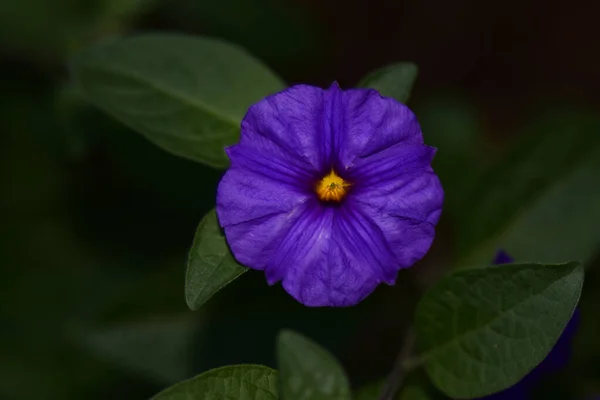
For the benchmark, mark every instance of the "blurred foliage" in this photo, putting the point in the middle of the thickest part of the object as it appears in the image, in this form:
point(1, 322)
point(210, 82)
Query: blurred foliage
point(96, 222)
point(51, 30)
point(307, 371)
point(284, 34)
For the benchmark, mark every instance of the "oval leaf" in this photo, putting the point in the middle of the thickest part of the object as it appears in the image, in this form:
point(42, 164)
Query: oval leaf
point(211, 265)
point(240, 382)
point(482, 330)
point(307, 371)
point(186, 94)
point(395, 80)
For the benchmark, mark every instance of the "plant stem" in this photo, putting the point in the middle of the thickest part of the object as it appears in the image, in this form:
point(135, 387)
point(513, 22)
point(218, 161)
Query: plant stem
point(396, 378)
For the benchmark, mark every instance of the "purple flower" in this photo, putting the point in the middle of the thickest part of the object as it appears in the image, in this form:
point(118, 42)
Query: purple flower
point(554, 361)
point(330, 192)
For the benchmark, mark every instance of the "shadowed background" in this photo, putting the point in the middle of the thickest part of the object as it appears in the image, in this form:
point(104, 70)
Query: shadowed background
point(95, 221)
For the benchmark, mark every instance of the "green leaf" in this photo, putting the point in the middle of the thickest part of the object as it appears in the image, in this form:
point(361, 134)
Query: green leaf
point(541, 202)
point(307, 371)
point(240, 382)
point(482, 330)
point(211, 265)
point(395, 80)
point(186, 94)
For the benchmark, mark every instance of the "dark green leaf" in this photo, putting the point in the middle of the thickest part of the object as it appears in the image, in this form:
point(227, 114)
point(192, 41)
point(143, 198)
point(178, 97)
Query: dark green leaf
point(240, 382)
point(395, 80)
point(211, 265)
point(482, 330)
point(542, 201)
point(186, 94)
point(307, 371)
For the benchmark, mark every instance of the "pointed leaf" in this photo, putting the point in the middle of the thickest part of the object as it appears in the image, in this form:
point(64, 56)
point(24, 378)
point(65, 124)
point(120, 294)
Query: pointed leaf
point(307, 371)
point(211, 265)
point(395, 80)
point(186, 94)
point(240, 382)
point(482, 330)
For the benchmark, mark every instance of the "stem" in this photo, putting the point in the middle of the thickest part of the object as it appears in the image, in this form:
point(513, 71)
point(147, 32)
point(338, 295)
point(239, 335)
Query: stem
point(396, 378)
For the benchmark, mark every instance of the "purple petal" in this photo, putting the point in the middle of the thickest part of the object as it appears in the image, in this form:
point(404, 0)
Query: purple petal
point(245, 195)
point(399, 182)
point(562, 350)
point(337, 260)
point(372, 124)
point(326, 254)
point(516, 392)
point(250, 241)
point(290, 124)
point(409, 238)
point(398, 190)
point(272, 168)
point(325, 128)
point(390, 164)
point(502, 257)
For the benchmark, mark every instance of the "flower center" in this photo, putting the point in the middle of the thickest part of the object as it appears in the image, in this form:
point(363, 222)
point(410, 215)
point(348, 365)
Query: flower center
point(332, 188)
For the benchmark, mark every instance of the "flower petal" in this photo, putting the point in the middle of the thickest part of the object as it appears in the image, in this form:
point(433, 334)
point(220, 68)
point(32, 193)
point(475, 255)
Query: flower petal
point(326, 268)
point(562, 350)
point(328, 128)
point(272, 167)
point(289, 124)
point(502, 257)
point(516, 392)
point(373, 123)
point(244, 195)
point(333, 257)
point(325, 256)
point(406, 210)
point(252, 241)
point(416, 196)
point(329, 254)
point(391, 164)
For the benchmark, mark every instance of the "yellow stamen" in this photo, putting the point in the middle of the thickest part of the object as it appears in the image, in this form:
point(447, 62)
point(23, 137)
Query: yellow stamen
point(332, 188)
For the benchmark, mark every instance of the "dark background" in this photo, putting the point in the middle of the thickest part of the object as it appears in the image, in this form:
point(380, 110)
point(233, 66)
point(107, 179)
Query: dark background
point(95, 222)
